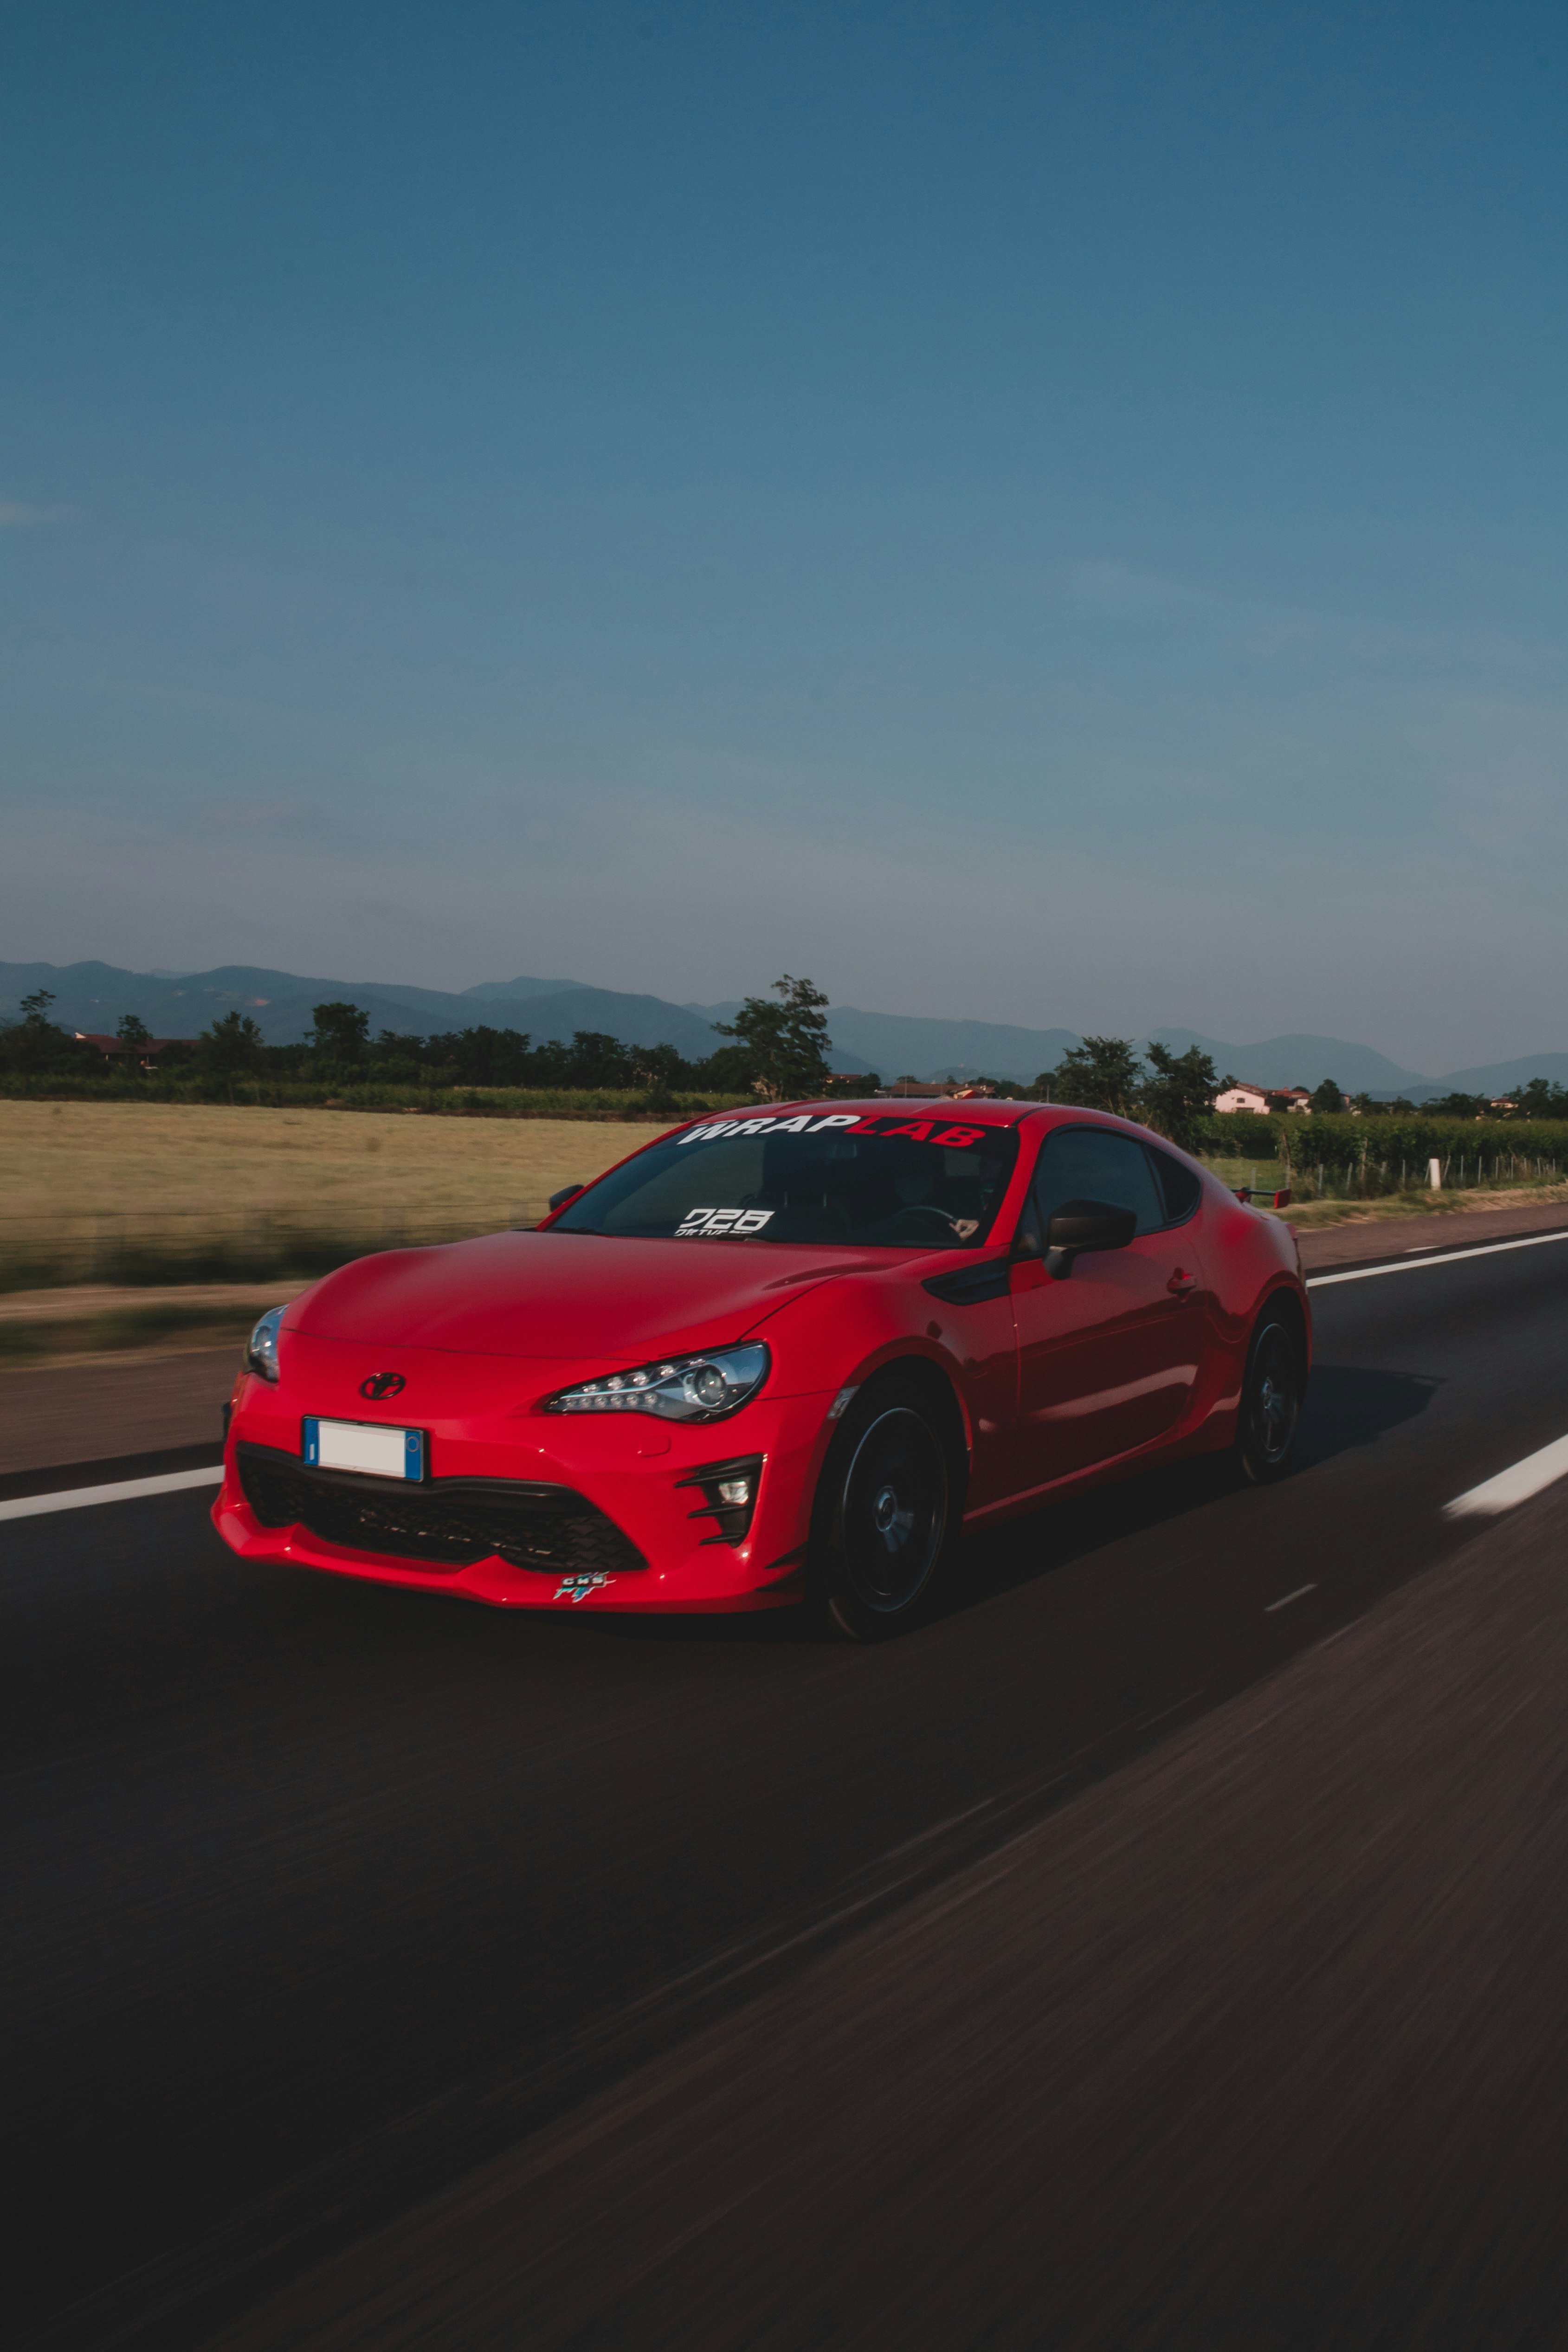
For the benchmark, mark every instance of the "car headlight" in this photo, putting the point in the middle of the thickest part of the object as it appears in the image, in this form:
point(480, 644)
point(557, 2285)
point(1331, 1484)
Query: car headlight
point(680, 1388)
point(261, 1347)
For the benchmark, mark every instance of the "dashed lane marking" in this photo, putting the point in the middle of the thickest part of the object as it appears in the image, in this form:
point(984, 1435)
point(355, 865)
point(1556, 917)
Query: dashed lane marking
point(1300, 1594)
point(1514, 1484)
point(123, 1490)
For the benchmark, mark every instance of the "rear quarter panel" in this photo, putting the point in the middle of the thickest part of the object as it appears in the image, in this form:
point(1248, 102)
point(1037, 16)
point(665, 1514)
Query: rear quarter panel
point(1253, 1257)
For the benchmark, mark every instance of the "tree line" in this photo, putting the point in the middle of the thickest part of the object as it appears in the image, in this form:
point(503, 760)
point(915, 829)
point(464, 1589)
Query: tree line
point(781, 1048)
point(1169, 1092)
point(1174, 1092)
point(1540, 1100)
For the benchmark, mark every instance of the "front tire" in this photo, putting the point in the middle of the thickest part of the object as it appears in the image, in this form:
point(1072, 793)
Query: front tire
point(1270, 1403)
point(885, 1505)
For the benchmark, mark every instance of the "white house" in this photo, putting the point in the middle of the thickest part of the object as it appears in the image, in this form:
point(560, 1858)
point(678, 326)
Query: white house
point(1239, 1097)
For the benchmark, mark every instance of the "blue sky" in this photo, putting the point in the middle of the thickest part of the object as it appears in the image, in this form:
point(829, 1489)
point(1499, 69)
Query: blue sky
point(1051, 514)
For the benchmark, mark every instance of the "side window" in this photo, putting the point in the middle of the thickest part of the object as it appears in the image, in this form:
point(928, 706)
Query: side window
point(1091, 1163)
point(1181, 1186)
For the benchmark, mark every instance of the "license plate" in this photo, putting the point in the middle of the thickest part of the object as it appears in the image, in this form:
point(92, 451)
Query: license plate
point(364, 1445)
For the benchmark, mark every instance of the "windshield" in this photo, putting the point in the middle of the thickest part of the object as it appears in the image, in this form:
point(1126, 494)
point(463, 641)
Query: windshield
point(865, 1181)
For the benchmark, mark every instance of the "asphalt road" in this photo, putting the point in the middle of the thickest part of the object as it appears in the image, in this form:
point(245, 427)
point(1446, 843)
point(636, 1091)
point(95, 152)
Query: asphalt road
point(320, 1894)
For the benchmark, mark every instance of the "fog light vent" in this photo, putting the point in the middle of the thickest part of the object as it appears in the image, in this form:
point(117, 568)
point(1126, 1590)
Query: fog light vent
point(729, 1491)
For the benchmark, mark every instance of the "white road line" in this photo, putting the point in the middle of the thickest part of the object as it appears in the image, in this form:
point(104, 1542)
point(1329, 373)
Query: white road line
point(1514, 1484)
point(1419, 1265)
point(1299, 1593)
point(124, 1490)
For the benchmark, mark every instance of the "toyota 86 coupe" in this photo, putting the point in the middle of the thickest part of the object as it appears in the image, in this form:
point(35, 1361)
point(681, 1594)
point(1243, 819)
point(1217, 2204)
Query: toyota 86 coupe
point(772, 1358)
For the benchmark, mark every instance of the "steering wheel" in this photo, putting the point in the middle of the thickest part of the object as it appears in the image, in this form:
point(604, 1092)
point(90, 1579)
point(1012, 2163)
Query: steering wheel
point(920, 1223)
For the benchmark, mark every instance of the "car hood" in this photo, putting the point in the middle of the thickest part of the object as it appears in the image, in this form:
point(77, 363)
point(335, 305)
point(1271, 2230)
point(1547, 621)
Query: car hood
point(564, 1295)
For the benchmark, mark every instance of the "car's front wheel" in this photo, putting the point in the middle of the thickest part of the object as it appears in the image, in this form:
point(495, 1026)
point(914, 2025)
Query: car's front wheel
point(1271, 1403)
point(885, 1505)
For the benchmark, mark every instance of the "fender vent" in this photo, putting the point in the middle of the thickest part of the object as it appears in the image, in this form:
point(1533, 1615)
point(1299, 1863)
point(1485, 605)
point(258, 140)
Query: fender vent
point(966, 1285)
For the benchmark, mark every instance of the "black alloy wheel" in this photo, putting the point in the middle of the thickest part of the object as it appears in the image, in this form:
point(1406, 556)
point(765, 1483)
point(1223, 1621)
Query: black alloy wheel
point(1270, 1403)
point(883, 1509)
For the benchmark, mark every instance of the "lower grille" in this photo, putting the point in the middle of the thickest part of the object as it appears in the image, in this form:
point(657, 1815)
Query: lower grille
point(444, 1523)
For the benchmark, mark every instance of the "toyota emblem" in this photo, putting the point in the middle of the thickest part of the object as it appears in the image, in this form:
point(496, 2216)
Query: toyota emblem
point(382, 1384)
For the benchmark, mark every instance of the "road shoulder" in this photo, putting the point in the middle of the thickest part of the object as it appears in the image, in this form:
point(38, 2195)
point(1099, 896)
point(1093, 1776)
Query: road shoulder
point(1368, 1242)
point(90, 1414)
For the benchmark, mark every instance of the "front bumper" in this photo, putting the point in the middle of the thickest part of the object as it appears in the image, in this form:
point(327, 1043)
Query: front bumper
point(632, 1470)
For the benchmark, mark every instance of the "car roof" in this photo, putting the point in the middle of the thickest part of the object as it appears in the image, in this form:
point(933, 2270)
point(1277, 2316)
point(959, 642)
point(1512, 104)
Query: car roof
point(991, 1111)
point(988, 1111)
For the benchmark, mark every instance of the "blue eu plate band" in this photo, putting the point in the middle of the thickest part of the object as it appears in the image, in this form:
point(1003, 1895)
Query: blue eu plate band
point(413, 1446)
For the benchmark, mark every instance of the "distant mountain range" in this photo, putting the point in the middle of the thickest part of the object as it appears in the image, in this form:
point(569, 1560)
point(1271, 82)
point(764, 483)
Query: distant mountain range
point(95, 996)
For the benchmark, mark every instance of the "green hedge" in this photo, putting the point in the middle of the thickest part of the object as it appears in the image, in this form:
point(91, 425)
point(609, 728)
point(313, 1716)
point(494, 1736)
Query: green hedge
point(1375, 1154)
point(439, 1102)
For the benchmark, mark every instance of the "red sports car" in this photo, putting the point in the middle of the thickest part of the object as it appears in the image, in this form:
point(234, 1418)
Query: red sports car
point(770, 1358)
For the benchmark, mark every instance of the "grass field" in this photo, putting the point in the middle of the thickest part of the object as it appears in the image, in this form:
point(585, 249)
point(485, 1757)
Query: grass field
point(143, 1193)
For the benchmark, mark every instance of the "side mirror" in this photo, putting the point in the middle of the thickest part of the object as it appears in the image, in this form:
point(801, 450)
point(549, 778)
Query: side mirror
point(567, 1192)
point(1080, 1225)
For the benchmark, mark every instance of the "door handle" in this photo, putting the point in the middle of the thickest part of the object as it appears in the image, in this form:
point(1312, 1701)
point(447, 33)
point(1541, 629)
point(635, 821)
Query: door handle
point(1181, 1282)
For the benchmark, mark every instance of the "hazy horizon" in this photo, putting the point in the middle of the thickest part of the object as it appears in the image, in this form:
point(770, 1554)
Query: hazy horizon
point(1319, 1047)
point(1020, 515)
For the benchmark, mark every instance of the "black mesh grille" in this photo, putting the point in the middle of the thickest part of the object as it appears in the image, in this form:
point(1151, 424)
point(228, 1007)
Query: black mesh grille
point(446, 1523)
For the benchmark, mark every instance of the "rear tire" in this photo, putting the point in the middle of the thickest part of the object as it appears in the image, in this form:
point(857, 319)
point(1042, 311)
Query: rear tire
point(1271, 1403)
point(885, 1509)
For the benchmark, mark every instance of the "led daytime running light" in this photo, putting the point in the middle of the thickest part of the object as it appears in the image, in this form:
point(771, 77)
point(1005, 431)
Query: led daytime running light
point(678, 1388)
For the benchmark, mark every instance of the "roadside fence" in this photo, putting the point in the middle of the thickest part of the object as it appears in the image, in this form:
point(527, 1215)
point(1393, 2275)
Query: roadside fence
point(1368, 1178)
